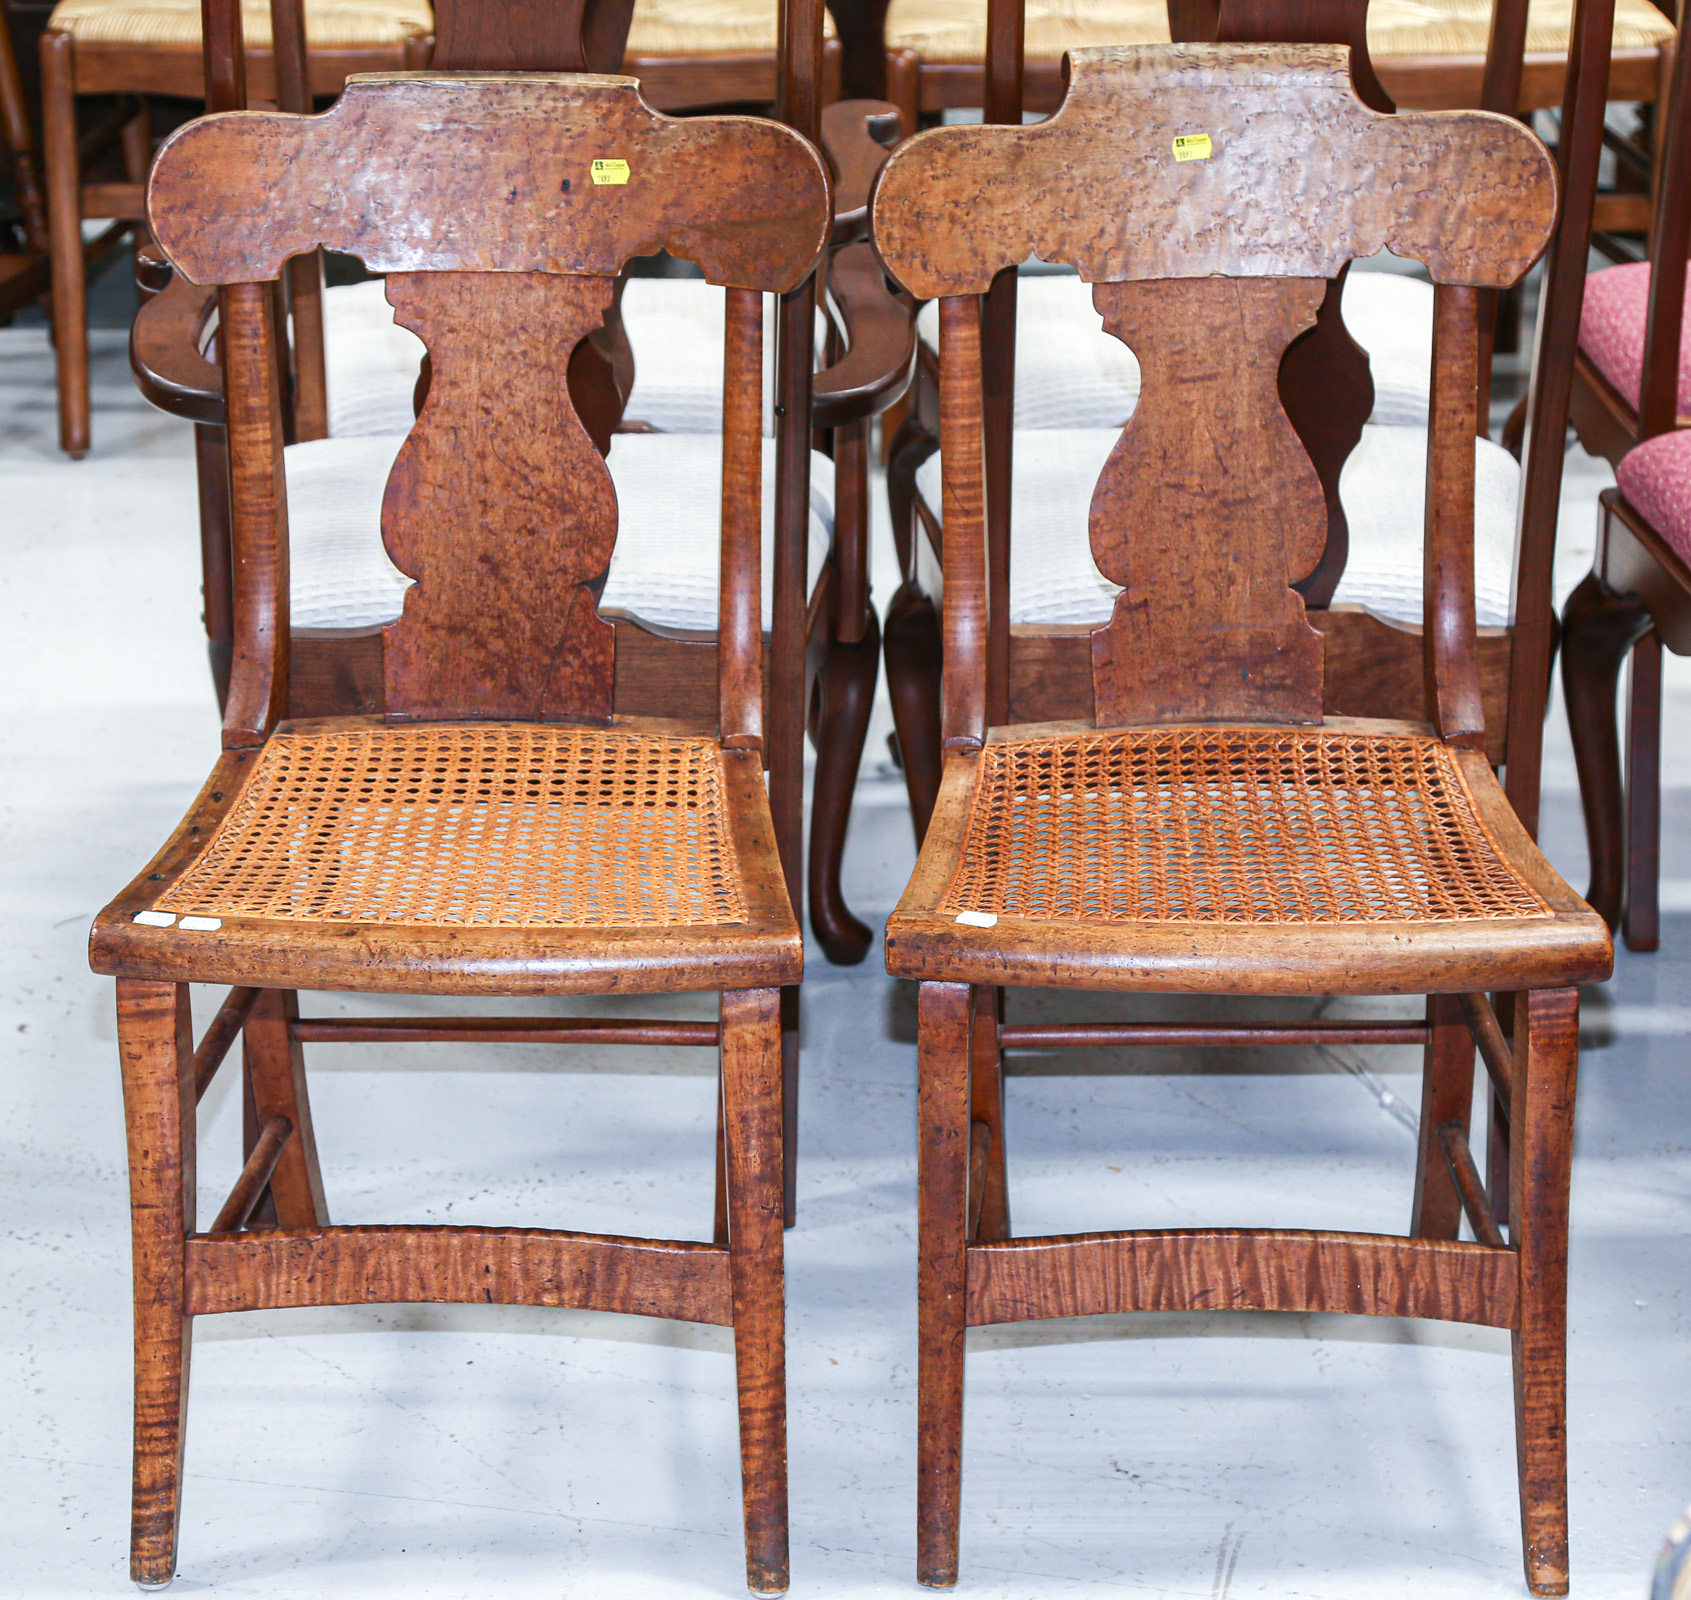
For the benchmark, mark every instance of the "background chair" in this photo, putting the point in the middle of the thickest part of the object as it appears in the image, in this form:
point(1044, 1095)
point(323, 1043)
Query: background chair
point(133, 49)
point(548, 845)
point(1630, 384)
point(1207, 829)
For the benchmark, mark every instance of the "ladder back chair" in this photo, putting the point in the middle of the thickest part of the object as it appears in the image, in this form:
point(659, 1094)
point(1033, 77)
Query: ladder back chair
point(500, 829)
point(1208, 830)
point(1633, 405)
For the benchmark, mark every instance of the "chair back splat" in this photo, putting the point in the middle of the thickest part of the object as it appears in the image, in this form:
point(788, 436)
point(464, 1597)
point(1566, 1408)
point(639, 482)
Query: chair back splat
point(1209, 509)
point(498, 505)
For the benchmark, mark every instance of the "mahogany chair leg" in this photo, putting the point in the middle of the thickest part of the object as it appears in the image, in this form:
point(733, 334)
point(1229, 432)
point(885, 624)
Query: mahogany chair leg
point(914, 652)
point(751, 1109)
point(64, 210)
point(943, 1123)
point(847, 691)
point(1641, 918)
point(1447, 1095)
point(275, 1067)
point(156, 1045)
point(989, 1188)
point(1542, 1127)
point(1598, 628)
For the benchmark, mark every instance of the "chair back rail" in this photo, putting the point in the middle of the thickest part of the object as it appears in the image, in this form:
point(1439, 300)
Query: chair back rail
point(498, 505)
point(1209, 508)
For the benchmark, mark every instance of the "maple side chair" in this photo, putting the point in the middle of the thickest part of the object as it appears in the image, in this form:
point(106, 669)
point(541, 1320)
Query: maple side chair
point(1059, 392)
point(500, 830)
point(345, 585)
point(1208, 830)
point(1637, 597)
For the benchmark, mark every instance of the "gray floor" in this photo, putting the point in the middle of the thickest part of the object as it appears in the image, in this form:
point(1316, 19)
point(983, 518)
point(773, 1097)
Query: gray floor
point(459, 1452)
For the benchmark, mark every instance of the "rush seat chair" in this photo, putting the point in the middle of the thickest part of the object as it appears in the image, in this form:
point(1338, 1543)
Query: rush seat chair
point(1208, 830)
point(500, 829)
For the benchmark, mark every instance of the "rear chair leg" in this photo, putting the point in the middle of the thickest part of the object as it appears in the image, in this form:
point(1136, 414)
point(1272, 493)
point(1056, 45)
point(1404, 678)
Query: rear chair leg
point(1541, 1128)
point(156, 1045)
point(943, 1093)
point(1447, 1095)
point(1640, 920)
point(751, 1110)
point(275, 1069)
point(989, 1191)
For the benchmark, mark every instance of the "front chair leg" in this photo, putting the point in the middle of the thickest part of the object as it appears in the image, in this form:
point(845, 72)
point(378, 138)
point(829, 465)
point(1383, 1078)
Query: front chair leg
point(847, 688)
point(943, 1048)
point(1542, 1131)
point(1447, 1095)
point(275, 1069)
point(156, 1045)
point(751, 1116)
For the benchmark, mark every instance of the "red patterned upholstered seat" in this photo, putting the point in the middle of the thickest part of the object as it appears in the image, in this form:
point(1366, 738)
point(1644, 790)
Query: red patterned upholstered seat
point(1656, 478)
point(1611, 330)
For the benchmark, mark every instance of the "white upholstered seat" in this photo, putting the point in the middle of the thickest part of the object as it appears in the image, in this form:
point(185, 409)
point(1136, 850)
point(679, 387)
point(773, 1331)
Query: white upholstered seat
point(1053, 579)
point(1071, 374)
point(342, 578)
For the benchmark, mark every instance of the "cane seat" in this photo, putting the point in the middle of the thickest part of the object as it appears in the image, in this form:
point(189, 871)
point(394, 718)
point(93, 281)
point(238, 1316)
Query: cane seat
point(444, 838)
point(1067, 854)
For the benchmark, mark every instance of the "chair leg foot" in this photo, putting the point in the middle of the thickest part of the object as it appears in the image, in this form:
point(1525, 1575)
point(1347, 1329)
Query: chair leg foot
point(1599, 627)
point(751, 1108)
point(848, 695)
point(1541, 1128)
point(944, 1057)
point(156, 1043)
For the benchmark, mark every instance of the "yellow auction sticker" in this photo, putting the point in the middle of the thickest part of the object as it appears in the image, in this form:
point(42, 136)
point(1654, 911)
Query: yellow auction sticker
point(616, 171)
point(1187, 147)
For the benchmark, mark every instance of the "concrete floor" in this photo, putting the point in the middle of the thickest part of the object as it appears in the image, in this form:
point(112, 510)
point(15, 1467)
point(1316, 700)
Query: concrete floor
point(460, 1451)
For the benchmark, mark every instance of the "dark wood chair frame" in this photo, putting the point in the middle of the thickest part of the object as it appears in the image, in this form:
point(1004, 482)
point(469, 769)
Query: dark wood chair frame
point(944, 232)
point(214, 206)
point(1637, 596)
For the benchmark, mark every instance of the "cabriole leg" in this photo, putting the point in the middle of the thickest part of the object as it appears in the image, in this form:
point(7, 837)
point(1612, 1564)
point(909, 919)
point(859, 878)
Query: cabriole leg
point(751, 1109)
point(1640, 921)
point(156, 1044)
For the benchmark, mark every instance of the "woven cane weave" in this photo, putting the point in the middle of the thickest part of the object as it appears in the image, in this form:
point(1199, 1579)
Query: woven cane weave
point(1211, 825)
point(465, 826)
